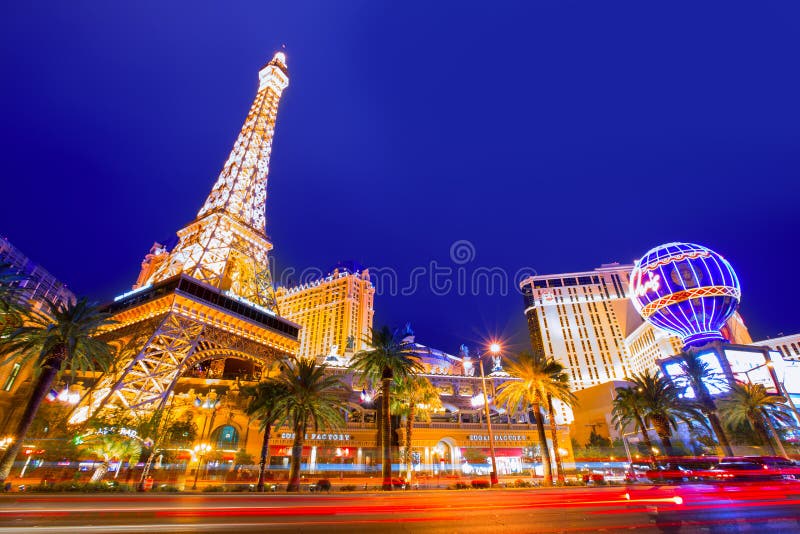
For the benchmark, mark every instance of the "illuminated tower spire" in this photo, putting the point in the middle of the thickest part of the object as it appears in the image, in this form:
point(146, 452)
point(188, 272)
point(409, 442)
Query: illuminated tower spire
point(226, 245)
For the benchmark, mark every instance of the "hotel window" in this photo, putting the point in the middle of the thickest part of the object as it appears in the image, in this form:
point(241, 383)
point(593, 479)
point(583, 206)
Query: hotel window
point(12, 377)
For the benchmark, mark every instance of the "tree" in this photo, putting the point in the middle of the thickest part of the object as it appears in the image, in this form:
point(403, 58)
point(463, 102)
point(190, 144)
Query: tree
point(663, 407)
point(627, 409)
point(597, 441)
point(389, 357)
point(751, 404)
point(107, 447)
point(563, 394)
point(699, 375)
point(310, 397)
point(412, 398)
point(265, 402)
point(60, 337)
point(535, 385)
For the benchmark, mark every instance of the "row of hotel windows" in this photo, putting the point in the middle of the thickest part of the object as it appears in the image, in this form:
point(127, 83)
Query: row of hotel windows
point(564, 282)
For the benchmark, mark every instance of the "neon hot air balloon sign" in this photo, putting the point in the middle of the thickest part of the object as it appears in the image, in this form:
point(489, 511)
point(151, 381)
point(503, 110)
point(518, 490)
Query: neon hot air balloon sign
point(686, 289)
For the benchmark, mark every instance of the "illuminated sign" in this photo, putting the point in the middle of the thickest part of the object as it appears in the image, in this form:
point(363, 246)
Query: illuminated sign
point(652, 284)
point(318, 437)
point(498, 437)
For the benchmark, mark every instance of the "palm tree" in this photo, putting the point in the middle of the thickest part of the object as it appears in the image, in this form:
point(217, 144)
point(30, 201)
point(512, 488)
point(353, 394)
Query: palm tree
point(107, 447)
point(63, 337)
point(415, 397)
point(564, 395)
point(751, 404)
point(699, 375)
point(626, 410)
point(529, 393)
point(264, 405)
point(663, 407)
point(388, 358)
point(310, 396)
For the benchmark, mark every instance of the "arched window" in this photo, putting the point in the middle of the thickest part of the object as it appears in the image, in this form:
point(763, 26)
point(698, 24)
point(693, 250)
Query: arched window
point(225, 437)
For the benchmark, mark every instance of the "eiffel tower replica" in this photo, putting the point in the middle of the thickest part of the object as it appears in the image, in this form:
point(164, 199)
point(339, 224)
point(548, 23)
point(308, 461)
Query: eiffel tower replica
point(211, 296)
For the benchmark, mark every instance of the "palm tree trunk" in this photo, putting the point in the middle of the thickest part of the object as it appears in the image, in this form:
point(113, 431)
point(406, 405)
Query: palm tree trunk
point(646, 439)
point(554, 437)
point(546, 467)
point(716, 426)
point(386, 437)
point(297, 456)
point(763, 434)
point(99, 473)
point(263, 462)
point(40, 391)
point(409, 427)
point(662, 429)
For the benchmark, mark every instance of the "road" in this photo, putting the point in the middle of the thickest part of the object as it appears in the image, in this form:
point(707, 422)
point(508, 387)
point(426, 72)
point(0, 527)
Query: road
point(750, 508)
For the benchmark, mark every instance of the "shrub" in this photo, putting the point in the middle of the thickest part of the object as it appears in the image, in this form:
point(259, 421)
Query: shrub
point(238, 488)
point(348, 487)
point(76, 487)
point(519, 483)
point(323, 484)
point(480, 483)
point(213, 489)
point(460, 486)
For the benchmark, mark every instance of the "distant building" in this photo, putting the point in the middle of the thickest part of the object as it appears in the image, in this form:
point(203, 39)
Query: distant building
point(595, 412)
point(646, 345)
point(587, 322)
point(582, 319)
point(335, 312)
point(788, 346)
point(37, 287)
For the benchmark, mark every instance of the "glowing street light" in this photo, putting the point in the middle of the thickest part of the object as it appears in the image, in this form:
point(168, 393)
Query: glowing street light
point(494, 348)
point(200, 451)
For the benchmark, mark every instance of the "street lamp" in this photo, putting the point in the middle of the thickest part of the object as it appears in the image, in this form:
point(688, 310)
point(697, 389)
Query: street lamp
point(494, 348)
point(200, 451)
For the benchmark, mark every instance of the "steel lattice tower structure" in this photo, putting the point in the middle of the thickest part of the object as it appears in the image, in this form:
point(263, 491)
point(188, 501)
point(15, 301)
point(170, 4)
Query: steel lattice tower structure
point(212, 295)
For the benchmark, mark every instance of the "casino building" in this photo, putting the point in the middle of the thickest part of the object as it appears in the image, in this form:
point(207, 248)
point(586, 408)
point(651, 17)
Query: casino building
point(454, 442)
point(203, 320)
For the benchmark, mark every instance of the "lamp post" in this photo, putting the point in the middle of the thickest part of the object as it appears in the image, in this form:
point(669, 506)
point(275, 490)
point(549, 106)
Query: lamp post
point(200, 451)
point(494, 348)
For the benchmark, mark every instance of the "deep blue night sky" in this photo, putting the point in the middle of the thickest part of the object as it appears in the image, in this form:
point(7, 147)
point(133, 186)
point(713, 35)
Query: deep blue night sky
point(552, 135)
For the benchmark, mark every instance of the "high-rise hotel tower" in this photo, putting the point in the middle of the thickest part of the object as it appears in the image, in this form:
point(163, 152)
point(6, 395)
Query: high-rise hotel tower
point(581, 319)
point(335, 312)
point(587, 322)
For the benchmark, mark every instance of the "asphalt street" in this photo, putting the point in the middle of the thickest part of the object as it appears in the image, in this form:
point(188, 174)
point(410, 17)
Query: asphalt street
point(749, 508)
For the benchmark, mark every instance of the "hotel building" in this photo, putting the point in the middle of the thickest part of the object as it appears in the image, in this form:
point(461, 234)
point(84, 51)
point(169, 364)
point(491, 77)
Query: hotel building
point(335, 312)
point(37, 287)
point(582, 319)
point(788, 346)
point(586, 321)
